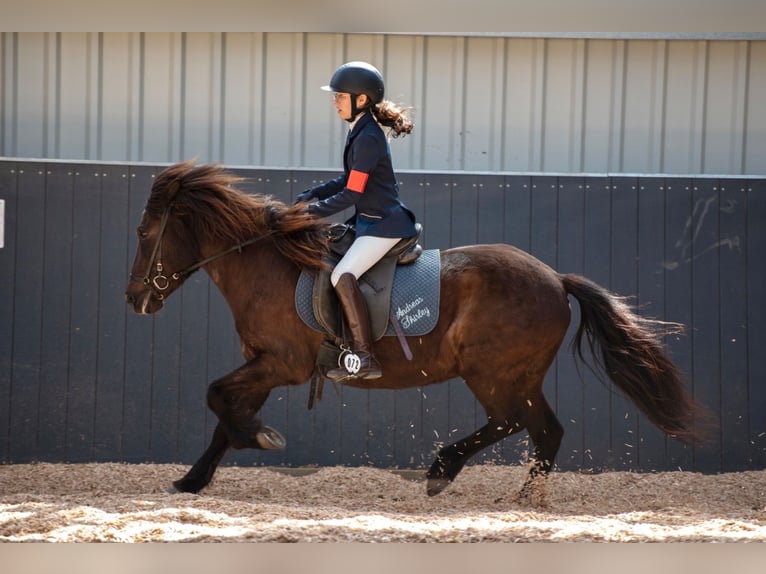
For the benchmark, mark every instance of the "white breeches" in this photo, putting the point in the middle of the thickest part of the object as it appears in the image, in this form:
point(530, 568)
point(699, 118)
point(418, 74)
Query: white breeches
point(364, 252)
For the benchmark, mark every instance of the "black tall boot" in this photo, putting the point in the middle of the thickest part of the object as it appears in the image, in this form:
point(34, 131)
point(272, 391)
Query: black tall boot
point(358, 318)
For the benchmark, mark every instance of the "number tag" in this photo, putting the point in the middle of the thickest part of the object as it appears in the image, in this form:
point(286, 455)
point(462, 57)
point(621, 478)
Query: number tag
point(352, 363)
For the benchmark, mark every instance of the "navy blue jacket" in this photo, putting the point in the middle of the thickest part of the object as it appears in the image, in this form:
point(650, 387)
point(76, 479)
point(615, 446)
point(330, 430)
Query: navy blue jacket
point(368, 183)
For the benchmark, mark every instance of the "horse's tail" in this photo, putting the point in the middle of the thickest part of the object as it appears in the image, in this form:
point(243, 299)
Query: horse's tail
point(632, 355)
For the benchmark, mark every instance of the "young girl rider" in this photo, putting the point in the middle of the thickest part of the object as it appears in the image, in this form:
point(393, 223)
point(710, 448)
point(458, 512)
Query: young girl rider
point(369, 184)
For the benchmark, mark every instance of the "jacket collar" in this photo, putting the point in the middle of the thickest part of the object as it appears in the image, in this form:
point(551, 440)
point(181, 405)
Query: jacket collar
point(358, 124)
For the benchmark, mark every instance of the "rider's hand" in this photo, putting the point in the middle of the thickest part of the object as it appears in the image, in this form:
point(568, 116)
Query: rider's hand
point(307, 195)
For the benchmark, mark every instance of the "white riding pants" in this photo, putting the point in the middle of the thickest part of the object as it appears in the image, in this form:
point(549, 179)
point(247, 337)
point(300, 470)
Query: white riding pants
point(364, 252)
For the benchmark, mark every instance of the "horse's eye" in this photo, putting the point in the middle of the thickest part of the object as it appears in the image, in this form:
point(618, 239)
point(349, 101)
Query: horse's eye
point(141, 232)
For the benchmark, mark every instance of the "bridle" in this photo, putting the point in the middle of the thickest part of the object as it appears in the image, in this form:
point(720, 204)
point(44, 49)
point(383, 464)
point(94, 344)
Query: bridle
point(160, 283)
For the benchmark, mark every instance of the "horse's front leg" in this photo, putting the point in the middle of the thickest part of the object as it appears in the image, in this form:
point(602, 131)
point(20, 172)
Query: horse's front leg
point(200, 475)
point(236, 400)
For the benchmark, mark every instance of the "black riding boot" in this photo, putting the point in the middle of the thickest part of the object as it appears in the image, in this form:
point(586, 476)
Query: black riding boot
point(358, 318)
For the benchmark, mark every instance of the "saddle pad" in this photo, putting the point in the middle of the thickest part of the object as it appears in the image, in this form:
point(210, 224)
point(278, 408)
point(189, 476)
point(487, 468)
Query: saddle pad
point(414, 296)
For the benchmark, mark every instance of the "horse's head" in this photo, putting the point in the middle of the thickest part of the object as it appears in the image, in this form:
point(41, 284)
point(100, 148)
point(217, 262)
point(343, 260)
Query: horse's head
point(166, 249)
point(159, 256)
point(194, 215)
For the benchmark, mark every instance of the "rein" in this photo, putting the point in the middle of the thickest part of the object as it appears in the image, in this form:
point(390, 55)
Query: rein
point(160, 282)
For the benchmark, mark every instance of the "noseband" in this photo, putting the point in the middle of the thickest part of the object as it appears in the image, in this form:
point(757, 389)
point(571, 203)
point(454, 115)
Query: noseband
point(160, 282)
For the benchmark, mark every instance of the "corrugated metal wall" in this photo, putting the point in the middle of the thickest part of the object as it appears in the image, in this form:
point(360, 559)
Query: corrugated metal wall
point(481, 103)
point(82, 378)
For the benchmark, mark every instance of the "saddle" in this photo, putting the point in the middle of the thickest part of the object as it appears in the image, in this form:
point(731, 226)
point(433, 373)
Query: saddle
point(376, 284)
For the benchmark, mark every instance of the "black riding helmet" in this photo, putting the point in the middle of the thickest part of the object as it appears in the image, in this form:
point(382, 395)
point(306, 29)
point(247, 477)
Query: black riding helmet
point(357, 78)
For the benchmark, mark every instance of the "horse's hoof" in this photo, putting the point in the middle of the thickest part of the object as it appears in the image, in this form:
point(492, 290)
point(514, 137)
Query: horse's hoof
point(435, 485)
point(269, 439)
point(534, 493)
point(172, 489)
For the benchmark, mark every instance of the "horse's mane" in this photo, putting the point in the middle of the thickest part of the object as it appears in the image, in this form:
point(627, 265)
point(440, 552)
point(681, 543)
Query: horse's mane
point(205, 196)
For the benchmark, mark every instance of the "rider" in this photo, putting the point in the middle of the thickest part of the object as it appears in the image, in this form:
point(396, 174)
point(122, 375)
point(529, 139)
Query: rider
point(369, 184)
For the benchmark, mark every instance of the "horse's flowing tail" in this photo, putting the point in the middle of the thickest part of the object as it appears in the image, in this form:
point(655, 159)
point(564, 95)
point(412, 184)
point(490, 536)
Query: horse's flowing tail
point(628, 348)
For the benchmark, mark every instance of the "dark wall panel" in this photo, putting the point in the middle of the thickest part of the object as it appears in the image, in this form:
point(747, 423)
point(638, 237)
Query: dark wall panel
point(679, 292)
point(56, 309)
point(26, 306)
point(623, 279)
point(139, 329)
point(8, 182)
point(84, 379)
point(754, 246)
point(518, 211)
point(650, 277)
point(598, 439)
point(84, 307)
point(568, 402)
point(703, 236)
point(115, 230)
point(733, 323)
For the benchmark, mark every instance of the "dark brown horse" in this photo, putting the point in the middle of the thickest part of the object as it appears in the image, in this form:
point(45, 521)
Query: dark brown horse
point(502, 318)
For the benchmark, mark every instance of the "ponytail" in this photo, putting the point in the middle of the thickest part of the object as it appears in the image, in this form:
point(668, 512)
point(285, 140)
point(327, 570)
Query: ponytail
point(393, 116)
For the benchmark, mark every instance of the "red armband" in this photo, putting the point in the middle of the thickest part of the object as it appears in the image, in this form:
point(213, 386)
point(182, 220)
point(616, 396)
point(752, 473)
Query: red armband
point(357, 180)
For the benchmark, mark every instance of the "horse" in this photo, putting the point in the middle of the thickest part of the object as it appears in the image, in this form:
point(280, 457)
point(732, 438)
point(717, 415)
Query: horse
point(503, 316)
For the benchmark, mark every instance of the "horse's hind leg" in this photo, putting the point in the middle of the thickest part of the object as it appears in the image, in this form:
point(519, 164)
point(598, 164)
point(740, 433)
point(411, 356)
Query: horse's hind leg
point(510, 408)
point(451, 459)
point(546, 433)
point(202, 472)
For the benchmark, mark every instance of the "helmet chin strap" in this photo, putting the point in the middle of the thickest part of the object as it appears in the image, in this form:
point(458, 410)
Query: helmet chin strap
point(354, 110)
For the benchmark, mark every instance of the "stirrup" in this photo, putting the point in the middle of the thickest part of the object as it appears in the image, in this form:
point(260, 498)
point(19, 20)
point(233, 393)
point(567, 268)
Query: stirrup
point(338, 375)
point(352, 366)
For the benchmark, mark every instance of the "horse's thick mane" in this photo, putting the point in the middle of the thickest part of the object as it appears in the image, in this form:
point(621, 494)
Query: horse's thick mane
point(206, 198)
